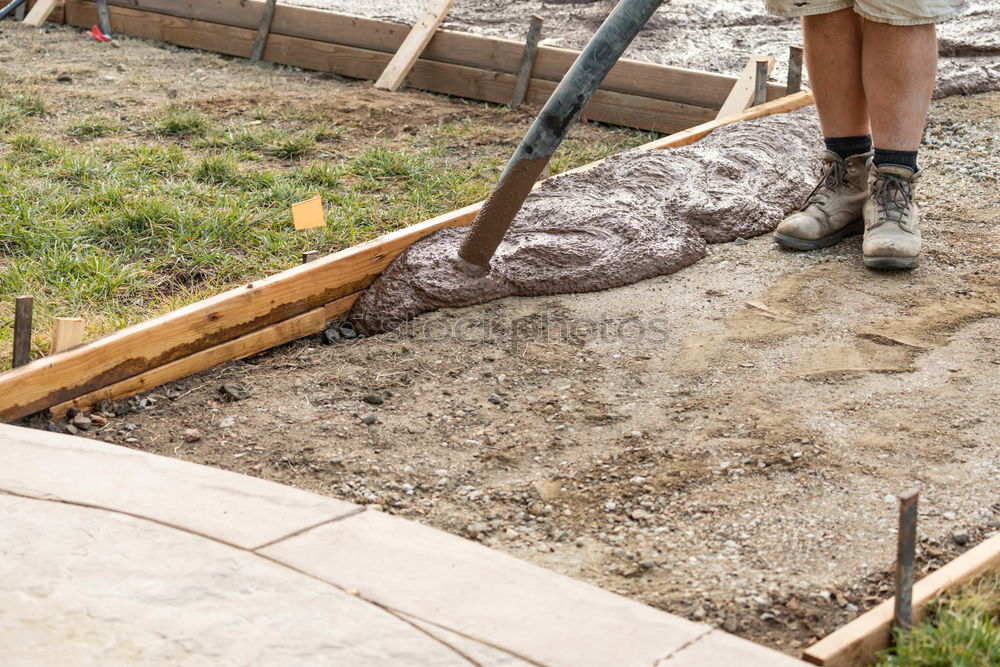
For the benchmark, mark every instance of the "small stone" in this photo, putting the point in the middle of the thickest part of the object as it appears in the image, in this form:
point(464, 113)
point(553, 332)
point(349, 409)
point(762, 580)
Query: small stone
point(368, 420)
point(638, 514)
point(330, 336)
point(374, 399)
point(72, 430)
point(960, 537)
point(496, 399)
point(739, 240)
point(191, 435)
point(231, 392)
point(227, 422)
point(82, 422)
point(948, 516)
point(98, 420)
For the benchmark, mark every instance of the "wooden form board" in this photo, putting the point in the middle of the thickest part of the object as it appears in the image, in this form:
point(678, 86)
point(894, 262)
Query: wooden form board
point(329, 282)
point(605, 106)
point(855, 644)
point(411, 48)
point(497, 55)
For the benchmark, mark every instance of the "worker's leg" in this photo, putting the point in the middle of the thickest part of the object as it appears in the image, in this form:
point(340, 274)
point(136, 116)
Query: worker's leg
point(833, 54)
point(899, 64)
point(833, 49)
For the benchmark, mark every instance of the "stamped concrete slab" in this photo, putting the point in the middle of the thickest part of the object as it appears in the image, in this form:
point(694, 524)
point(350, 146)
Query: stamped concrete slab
point(482, 654)
point(493, 598)
point(721, 649)
point(83, 586)
point(237, 509)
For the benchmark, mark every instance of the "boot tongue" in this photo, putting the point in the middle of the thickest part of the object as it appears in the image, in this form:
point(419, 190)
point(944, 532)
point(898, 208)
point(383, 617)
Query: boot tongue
point(896, 170)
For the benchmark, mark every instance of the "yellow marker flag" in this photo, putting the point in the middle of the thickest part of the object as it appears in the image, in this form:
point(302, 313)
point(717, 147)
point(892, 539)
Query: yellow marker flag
point(309, 213)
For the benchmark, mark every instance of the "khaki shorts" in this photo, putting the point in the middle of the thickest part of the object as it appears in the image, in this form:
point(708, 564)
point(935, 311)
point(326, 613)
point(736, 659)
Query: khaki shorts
point(893, 12)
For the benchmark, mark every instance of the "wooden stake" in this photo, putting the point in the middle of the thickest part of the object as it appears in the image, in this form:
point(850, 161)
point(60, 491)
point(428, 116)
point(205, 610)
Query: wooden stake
point(906, 547)
point(760, 83)
point(23, 307)
point(422, 32)
point(745, 89)
point(263, 29)
point(309, 255)
point(19, 12)
point(527, 61)
point(794, 70)
point(67, 333)
point(36, 17)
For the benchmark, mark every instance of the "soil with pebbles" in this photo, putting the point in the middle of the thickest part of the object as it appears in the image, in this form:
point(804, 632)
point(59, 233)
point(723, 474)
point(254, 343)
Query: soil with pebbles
point(722, 443)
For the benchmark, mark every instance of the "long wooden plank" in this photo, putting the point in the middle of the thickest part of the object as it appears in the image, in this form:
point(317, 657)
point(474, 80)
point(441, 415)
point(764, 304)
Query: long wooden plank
point(605, 106)
point(503, 55)
point(856, 643)
point(258, 341)
point(411, 48)
point(40, 12)
point(239, 348)
point(237, 312)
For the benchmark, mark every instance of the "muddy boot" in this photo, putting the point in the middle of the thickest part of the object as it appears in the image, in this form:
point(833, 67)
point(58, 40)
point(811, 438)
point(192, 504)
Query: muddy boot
point(892, 238)
point(832, 211)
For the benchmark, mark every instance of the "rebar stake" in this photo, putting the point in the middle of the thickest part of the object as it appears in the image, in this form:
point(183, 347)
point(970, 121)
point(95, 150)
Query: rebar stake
point(906, 547)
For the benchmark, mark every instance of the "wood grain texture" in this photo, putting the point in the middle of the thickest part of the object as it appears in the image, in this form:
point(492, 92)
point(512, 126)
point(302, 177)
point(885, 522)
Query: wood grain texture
point(239, 348)
point(411, 48)
point(856, 643)
point(67, 333)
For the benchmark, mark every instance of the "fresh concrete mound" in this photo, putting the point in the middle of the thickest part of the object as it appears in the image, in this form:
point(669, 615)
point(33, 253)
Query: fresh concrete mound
point(637, 215)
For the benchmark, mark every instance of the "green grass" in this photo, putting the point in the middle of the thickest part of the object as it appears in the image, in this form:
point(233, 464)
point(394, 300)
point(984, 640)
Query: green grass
point(142, 222)
point(962, 629)
point(92, 127)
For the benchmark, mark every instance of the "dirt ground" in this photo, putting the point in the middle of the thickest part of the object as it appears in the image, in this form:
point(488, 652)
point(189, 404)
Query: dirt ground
point(723, 443)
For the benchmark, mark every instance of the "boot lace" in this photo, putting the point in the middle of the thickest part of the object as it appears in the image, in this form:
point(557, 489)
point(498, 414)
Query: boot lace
point(894, 197)
point(834, 175)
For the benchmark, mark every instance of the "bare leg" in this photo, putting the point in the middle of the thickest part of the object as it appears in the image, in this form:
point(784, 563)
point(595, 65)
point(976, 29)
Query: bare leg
point(833, 58)
point(899, 65)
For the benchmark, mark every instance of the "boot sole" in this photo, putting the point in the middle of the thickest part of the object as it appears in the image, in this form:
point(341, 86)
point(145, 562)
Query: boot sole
point(890, 263)
point(851, 229)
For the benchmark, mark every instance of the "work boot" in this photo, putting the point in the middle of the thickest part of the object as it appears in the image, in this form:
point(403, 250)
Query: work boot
point(892, 238)
point(832, 211)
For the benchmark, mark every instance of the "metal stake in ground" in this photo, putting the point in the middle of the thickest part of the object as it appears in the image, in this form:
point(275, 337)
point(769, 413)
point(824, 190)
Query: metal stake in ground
point(527, 61)
point(906, 546)
point(550, 127)
point(103, 18)
point(23, 306)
